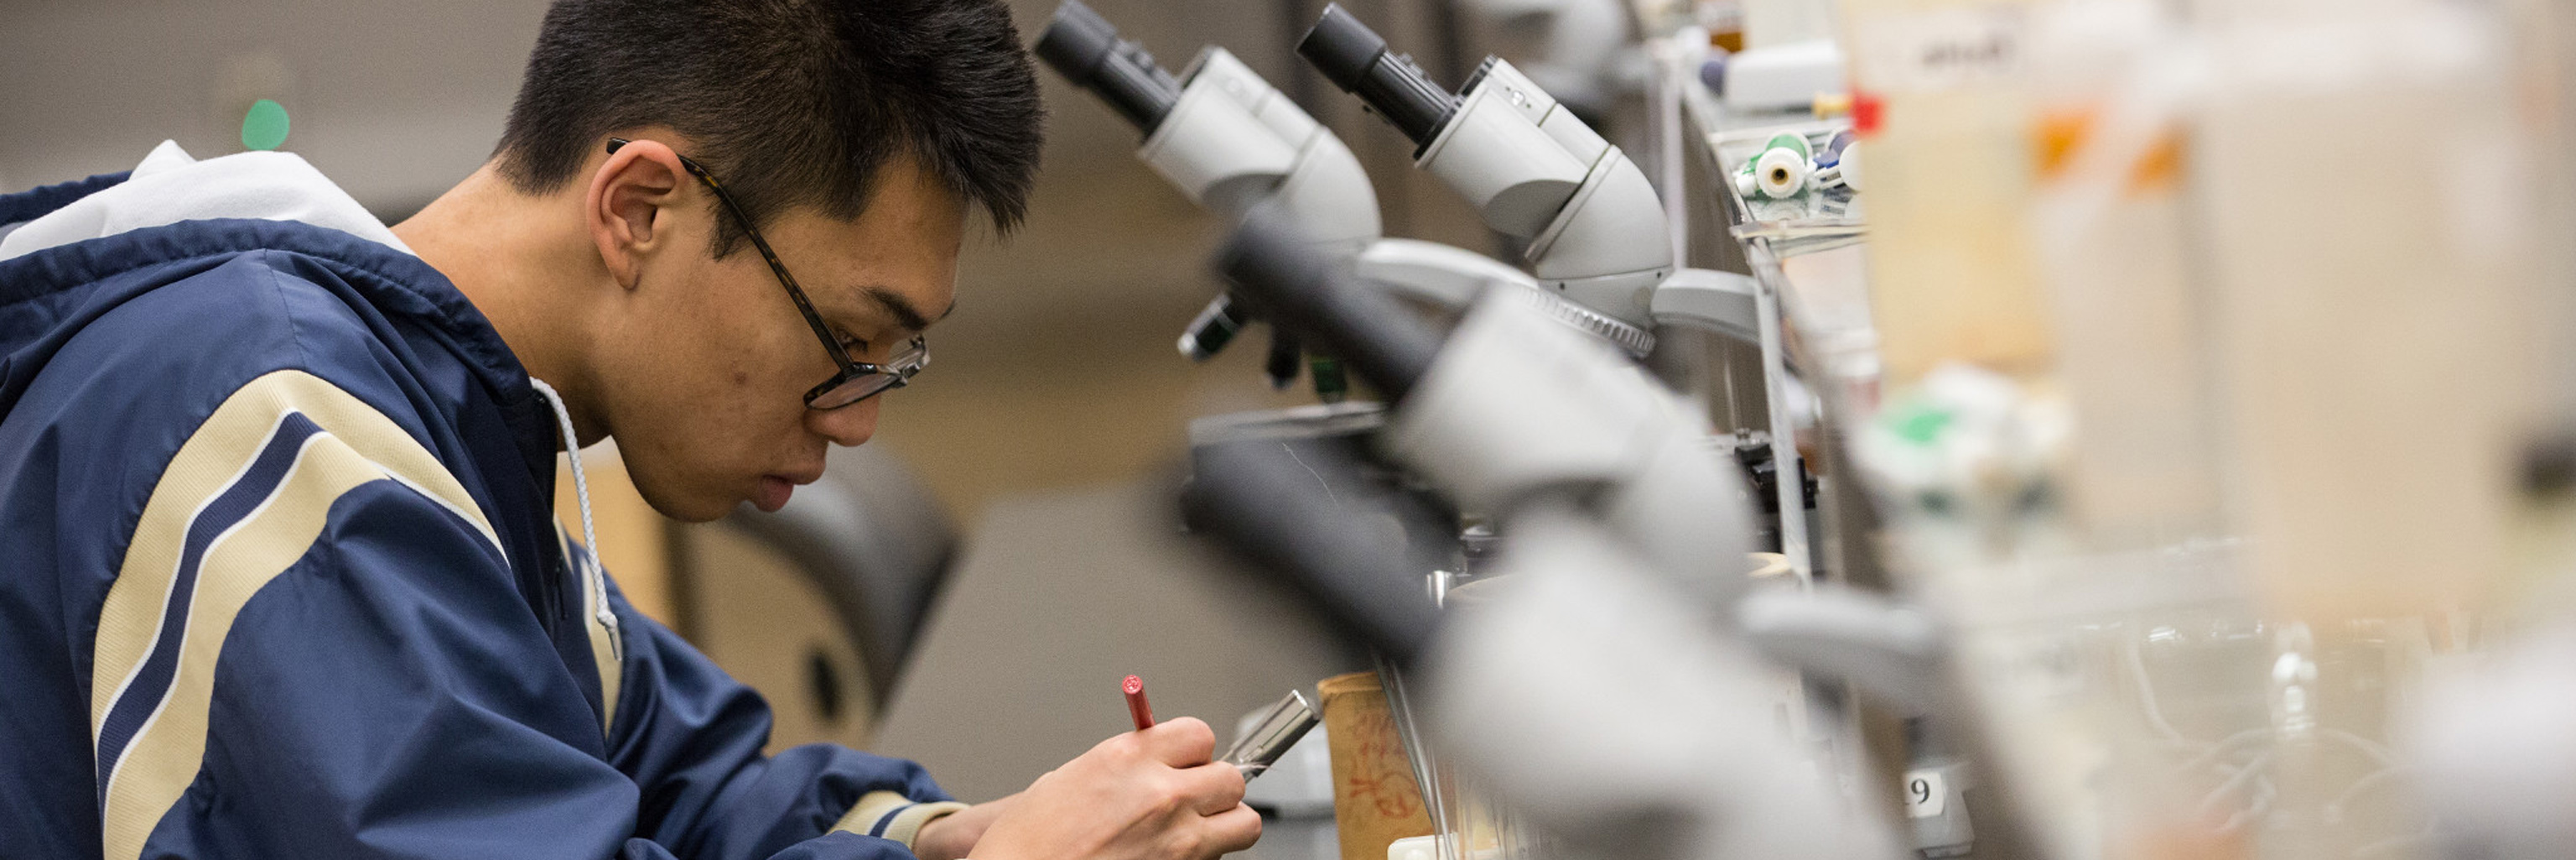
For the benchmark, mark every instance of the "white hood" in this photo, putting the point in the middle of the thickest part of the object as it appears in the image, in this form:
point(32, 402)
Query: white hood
point(170, 187)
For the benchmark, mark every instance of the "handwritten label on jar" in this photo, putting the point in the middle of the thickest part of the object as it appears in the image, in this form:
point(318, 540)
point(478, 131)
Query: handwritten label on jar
point(1941, 50)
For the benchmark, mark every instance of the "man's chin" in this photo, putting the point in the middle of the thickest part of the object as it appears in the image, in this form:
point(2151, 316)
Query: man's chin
point(691, 508)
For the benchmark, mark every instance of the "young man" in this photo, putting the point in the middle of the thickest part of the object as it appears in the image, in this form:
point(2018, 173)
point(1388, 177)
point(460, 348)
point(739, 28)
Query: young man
point(278, 576)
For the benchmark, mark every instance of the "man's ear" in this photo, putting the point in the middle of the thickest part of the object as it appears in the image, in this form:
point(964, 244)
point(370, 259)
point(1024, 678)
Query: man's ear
point(631, 199)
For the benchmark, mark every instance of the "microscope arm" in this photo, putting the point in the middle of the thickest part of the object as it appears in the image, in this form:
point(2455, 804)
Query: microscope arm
point(1720, 303)
point(1448, 276)
point(1440, 275)
point(1890, 651)
point(1451, 277)
point(1515, 407)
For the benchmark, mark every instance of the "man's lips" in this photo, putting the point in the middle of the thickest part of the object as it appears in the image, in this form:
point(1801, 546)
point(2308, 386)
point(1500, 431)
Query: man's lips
point(772, 494)
point(774, 490)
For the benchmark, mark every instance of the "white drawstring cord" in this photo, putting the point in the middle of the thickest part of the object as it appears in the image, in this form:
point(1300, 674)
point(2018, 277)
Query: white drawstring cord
point(598, 581)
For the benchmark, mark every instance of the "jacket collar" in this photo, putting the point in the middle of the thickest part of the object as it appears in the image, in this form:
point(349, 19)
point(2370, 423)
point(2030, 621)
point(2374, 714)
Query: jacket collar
point(37, 289)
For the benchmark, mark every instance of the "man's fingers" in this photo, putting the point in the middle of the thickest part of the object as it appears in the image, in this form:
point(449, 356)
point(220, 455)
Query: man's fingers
point(1212, 788)
point(1180, 742)
point(1233, 830)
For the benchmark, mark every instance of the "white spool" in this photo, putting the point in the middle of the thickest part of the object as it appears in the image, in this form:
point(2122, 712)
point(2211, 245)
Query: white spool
point(1780, 173)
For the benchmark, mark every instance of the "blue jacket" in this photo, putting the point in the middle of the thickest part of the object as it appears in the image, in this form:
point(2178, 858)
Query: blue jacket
point(278, 578)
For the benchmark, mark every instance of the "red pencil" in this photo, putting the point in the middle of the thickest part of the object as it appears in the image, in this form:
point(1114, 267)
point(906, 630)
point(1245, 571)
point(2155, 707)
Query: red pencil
point(1136, 706)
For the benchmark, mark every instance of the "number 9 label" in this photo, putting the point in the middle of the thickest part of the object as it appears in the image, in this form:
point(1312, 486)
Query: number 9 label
point(1927, 794)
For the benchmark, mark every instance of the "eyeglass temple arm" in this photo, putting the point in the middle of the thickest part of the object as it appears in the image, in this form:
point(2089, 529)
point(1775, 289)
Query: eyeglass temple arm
point(795, 292)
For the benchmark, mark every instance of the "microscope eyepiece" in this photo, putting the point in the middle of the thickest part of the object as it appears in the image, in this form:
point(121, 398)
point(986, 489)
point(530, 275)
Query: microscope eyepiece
point(1273, 506)
point(1341, 47)
point(1306, 290)
point(1355, 59)
point(1086, 50)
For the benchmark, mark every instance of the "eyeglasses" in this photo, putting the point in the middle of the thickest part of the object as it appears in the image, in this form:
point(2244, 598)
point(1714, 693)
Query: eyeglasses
point(856, 380)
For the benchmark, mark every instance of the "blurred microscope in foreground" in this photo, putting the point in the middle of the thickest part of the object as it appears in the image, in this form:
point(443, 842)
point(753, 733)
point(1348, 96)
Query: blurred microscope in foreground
point(2183, 390)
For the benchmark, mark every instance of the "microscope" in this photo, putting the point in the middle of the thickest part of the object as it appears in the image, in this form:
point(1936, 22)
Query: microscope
point(1229, 140)
point(1593, 229)
point(1601, 260)
point(1606, 689)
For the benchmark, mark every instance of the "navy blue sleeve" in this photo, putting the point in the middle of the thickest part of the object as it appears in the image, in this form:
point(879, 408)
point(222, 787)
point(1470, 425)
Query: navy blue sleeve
point(385, 695)
point(374, 700)
point(315, 647)
point(691, 737)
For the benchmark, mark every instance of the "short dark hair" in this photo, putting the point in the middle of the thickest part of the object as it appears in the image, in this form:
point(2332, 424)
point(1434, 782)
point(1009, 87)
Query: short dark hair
point(789, 102)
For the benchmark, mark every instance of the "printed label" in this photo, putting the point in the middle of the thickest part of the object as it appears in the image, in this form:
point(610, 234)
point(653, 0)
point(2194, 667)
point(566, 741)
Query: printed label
point(1941, 50)
point(1927, 793)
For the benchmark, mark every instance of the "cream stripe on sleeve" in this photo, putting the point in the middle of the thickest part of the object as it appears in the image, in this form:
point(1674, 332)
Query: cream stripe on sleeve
point(349, 445)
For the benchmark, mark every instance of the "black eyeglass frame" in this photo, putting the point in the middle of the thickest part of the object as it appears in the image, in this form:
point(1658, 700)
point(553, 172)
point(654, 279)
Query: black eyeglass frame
point(899, 368)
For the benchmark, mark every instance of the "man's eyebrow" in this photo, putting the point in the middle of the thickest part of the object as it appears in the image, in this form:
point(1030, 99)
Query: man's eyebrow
point(905, 314)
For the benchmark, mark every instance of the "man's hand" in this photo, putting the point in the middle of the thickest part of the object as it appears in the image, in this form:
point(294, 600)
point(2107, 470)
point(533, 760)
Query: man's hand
point(1144, 795)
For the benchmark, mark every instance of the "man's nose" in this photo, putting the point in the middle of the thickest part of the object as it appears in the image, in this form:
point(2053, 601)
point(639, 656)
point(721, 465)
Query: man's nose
point(849, 426)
